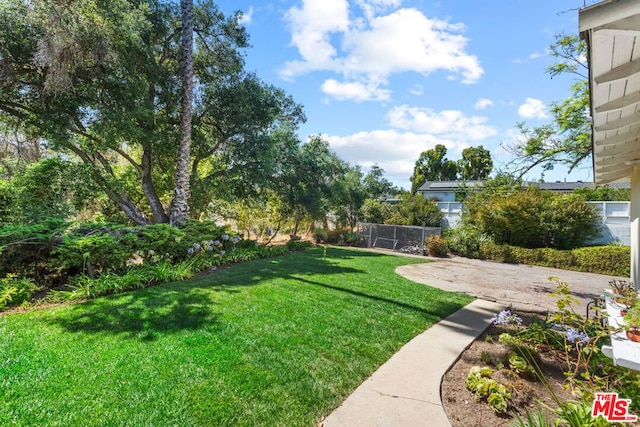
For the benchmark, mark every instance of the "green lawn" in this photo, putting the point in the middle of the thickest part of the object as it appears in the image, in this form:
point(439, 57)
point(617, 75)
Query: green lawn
point(278, 341)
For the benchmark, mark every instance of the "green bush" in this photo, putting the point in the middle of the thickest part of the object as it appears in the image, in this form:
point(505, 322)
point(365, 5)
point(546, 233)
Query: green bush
point(415, 210)
point(465, 240)
point(15, 291)
point(609, 260)
point(437, 246)
point(138, 276)
point(339, 236)
point(612, 260)
point(532, 218)
point(92, 254)
point(25, 250)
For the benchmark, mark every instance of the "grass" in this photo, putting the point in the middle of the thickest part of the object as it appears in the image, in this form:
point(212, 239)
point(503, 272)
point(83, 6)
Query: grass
point(278, 341)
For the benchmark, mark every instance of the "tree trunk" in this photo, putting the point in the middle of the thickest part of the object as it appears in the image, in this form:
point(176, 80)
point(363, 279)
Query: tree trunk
point(149, 190)
point(179, 212)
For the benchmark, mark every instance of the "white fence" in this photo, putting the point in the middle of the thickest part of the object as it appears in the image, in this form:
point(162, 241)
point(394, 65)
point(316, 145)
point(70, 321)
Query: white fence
point(613, 228)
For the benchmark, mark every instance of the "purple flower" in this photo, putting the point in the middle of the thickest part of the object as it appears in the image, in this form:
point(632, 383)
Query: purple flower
point(236, 239)
point(190, 251)
point(222, 252)
point(505, 317)
point(225, 237)
point(196, 246)
point(577, 337)
point(216, 242)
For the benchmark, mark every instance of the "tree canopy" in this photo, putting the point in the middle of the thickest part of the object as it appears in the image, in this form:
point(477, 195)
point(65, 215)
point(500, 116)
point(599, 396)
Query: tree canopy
point(101, 82)
point(567, 139)
point(433, 165)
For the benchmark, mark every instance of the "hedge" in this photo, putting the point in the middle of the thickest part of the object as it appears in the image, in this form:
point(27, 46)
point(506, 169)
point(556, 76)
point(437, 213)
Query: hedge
point(609, 260)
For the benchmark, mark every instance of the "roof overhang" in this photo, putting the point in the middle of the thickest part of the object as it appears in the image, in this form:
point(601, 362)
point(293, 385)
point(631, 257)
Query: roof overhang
point(612, 31)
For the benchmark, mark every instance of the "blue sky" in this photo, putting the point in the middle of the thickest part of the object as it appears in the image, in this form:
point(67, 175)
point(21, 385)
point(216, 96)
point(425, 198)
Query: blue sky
point(384, 80)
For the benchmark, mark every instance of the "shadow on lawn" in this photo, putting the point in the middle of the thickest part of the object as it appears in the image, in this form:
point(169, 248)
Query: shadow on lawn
point(191, 304)
point(143, 315)
point(441, 310)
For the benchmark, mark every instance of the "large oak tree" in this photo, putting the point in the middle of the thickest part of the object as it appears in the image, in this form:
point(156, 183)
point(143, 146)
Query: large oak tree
point(101, 82)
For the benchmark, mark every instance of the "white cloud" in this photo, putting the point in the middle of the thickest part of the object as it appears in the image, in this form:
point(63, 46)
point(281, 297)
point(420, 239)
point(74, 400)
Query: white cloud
point(311, 28)
point(246, 16)
point(452, 124)
point(483, 103)
point(531, 57)
point(417, 90)
point(394, 151)
point(413, 130)
point(355, 91)
point(533, 109)
point(371, 48)
point(371, 7)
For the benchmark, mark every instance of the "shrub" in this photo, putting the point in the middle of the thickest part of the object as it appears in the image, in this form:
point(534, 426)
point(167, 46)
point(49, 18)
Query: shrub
point(613, 260)
point(319, 235)
point(437, 246)
point(91, 254)
point(610, 260)
point(15, 291)
point(532, 218)
point(465, 240)
point(25, 250)
point(376, 211)
point(339, 236)
point(415, 210)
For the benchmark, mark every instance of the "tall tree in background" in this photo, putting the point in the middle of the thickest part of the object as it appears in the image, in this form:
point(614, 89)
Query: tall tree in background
point(475, 164)
point(376, 184)
point(100, 82)
point(432, 165)
point(179, 210)
point(567, 139)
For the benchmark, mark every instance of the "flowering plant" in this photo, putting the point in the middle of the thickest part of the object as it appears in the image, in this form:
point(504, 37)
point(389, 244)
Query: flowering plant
point(506, 317)
point(217, 246)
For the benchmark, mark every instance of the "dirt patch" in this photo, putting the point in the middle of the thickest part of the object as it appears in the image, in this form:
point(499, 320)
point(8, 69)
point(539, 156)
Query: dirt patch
point(459, 403)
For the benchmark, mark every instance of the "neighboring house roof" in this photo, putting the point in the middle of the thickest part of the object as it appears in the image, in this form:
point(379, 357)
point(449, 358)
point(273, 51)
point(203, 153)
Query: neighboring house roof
point(441, 186)
point(449, 185)
point(561, 186)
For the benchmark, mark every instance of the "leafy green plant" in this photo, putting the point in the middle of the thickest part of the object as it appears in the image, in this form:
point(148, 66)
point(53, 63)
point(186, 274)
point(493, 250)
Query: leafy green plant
point(578, 414)
point(437, 246)
point(535, 419)
point(92, 254)
point(532, 218)
point(15, 291)
point(25, 250)
point(520, 365)
point(610, 260)
point(465, 240)
point(484, 388)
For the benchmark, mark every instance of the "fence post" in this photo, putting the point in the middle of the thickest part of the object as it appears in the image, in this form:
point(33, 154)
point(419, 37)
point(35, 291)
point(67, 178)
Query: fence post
point(394, 237)
point(422, 242)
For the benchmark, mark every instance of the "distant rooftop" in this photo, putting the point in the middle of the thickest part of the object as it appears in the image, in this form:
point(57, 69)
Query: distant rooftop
point(554, 186)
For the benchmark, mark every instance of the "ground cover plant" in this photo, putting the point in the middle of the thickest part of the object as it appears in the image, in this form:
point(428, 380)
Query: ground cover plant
point(276, 341)
point(543, 371)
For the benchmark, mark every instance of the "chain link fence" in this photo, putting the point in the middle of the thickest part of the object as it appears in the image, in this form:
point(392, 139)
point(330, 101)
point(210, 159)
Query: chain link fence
point(402, 238)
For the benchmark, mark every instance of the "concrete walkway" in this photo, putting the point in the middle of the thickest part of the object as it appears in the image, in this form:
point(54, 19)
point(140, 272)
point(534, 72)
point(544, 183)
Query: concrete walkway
point(405, 391)
point(525, 287)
